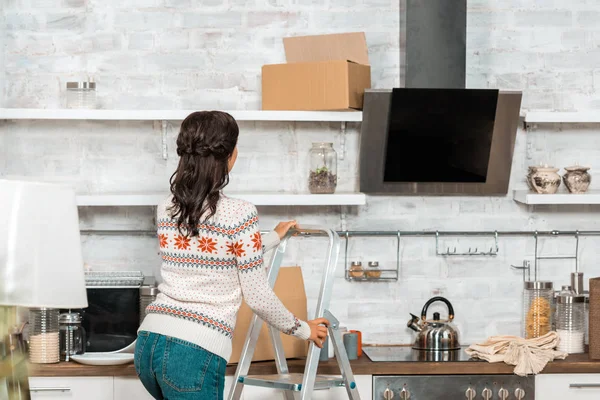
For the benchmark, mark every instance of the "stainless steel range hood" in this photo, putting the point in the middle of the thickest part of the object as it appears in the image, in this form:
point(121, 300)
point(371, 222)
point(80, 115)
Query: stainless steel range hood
point(433, 136)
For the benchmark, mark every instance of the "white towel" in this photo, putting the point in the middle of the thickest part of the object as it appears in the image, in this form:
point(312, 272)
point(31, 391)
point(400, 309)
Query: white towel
point(529, 356)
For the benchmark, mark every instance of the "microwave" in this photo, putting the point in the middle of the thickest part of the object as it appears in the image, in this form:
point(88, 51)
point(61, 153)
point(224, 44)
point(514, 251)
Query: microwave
point(112, 318)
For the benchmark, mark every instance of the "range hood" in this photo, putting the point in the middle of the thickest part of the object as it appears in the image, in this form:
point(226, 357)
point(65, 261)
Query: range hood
point(434, 136)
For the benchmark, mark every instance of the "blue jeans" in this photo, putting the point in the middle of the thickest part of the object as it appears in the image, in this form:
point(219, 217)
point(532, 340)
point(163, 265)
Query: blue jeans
point(173, 369)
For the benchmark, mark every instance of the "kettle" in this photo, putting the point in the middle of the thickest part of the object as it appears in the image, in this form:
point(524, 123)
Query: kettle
point(435, 334)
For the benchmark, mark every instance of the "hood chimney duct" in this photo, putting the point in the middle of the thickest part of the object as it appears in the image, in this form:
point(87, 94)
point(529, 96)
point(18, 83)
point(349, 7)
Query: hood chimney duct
point(436, 34)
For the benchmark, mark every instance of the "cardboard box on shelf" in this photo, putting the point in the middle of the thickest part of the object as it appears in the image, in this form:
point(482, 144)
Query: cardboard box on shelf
point(323, 73)
point(289, 287)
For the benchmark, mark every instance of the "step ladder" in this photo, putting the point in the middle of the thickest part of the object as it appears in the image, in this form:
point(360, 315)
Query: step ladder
point(300, 386)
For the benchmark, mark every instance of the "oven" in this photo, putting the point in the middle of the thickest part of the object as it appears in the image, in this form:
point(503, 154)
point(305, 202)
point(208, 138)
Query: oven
point(443, 387)
point(451, 387)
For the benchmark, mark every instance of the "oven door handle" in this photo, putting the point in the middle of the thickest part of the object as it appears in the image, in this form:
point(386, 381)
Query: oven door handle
point(584, 386)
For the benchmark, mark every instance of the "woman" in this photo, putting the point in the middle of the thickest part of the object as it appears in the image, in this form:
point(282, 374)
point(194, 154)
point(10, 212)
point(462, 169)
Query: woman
point(212, 253)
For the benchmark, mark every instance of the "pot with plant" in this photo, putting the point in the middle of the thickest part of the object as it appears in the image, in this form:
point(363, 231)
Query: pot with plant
point(322, 177)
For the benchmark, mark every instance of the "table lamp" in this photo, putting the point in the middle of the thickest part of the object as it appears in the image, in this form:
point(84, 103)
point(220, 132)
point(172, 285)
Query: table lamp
point(41, 266)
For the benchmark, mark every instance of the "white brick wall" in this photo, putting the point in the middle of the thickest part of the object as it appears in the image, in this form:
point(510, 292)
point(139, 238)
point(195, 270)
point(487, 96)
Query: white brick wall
point(208, 54)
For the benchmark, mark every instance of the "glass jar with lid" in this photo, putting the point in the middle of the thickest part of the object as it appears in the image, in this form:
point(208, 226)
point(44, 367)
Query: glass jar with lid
point(43, 336)
point(537, 308)
point(356, 270)
point(373, 272)
point(570, 322)
point(72, 335)
point(81, 95)
point(323, 169)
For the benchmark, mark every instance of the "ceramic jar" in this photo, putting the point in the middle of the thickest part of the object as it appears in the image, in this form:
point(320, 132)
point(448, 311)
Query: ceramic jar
point(529, 176)
point(545, 180)
point(577, 179)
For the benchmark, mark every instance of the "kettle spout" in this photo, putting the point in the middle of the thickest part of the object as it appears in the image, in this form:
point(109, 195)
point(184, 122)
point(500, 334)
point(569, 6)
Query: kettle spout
point(414, 323)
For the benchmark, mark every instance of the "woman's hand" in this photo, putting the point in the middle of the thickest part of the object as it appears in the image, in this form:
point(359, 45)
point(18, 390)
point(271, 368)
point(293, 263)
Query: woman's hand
point(282, 228)
point(318, 332)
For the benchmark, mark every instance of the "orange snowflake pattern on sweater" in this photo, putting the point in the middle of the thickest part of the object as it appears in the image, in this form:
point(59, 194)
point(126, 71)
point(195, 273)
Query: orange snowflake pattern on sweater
point(207, 245)
point(182, 242)
point(163, 239)
point(257, 241)
point(236, 249)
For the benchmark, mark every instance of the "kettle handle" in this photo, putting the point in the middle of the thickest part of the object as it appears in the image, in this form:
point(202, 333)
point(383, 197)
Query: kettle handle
point(433, 300)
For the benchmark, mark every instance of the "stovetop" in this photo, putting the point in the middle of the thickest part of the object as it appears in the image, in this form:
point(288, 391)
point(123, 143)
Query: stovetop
point(407, 354)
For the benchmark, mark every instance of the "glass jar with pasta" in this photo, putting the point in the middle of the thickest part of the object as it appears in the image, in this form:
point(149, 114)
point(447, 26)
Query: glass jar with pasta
point(537, 308)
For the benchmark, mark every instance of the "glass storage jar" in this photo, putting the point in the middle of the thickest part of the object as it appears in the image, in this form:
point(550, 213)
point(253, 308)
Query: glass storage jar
point(570, 322)
point(374, 271)
point(81, 94)
point(72, 335)
point(43, 336)
point(323, 169)
point(356, 270)
point(537, 308)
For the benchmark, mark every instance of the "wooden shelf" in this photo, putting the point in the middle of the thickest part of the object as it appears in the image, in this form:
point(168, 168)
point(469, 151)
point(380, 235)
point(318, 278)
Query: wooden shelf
point(259, 199)
point(550, 117)
point(527, 197)
point(174, 115)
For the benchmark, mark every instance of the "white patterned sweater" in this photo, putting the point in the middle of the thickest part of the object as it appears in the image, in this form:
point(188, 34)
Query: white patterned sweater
point(206, 277)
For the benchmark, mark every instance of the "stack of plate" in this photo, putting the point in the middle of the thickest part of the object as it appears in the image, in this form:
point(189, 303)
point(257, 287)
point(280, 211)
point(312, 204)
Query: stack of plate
point(44, 348)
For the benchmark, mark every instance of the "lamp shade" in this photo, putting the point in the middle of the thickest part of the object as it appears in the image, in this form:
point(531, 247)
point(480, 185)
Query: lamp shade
point(40, 247)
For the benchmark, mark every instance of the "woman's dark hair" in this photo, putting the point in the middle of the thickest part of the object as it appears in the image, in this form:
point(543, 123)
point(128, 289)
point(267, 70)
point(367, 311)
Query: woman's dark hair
point(205, 144)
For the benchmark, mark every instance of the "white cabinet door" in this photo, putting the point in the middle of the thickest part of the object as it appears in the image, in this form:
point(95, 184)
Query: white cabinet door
point(363, 382)
point(567, 386)
point(130, 388)
point(71, 388)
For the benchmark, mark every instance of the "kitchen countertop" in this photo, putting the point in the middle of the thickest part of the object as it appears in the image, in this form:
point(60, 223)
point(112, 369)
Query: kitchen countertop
point(576, 363)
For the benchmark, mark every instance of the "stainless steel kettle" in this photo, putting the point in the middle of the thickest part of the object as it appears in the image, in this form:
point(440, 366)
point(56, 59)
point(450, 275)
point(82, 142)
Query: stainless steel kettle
point(435, 334)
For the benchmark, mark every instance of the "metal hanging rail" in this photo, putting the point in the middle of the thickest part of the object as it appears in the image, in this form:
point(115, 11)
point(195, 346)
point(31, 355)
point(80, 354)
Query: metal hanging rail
point(382, 233)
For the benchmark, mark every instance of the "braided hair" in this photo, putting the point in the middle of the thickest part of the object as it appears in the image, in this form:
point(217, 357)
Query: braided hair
point(206, 141)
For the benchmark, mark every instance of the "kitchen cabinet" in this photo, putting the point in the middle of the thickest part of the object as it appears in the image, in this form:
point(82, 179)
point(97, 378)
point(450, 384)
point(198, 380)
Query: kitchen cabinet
point(363, 382)
point(128, 388)
point(71, 388)
point(567, 386)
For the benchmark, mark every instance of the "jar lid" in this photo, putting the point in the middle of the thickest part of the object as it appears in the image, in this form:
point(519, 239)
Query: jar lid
point(356, 263)
point(322, 144)
point(374, 264)
point(149, 290)
point(569, 299)
point(81, 85)
point(69, 318)
point(537, 285)
point(576, 168)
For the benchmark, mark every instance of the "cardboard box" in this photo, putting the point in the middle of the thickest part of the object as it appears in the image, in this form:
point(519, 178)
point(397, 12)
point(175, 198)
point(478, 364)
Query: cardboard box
point(289, 287)
point(323, 72)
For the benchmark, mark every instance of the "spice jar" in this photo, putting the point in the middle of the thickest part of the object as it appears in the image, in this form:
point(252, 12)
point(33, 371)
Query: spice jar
point(570, 322)
point(323, 169)
point(72, 335)
point(537, 308)
point(356, 270)
point(373, 272)
point(43, 336)
point(81, 94)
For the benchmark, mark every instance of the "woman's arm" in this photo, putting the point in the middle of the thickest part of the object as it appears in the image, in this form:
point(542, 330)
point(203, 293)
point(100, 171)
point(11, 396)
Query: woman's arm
point(246, 244)
point(270, 241)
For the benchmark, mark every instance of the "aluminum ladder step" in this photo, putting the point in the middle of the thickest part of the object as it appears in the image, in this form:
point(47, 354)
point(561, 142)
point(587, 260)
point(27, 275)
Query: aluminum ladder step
point(292, 382)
